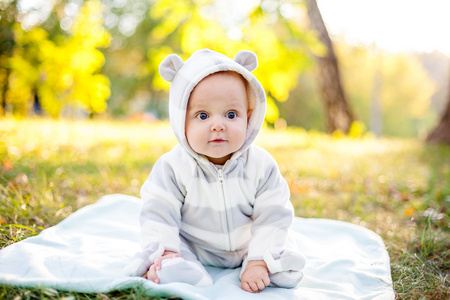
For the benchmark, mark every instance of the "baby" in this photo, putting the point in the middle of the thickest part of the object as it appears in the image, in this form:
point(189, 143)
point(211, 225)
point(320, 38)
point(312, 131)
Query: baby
point(216, 199)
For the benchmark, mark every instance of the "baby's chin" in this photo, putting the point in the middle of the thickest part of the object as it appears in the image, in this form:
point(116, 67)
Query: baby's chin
point(219, 160)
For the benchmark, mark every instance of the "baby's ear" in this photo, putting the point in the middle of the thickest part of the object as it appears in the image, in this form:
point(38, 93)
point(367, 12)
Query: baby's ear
point(249, 115)
point(170, 66)
point(247, 59)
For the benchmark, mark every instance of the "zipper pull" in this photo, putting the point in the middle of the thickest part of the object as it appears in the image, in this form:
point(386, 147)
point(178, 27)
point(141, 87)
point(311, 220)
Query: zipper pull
point(220, 172)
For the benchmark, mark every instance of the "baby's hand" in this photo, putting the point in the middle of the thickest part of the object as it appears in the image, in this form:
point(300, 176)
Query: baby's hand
point(151, 274)
point(255, 277)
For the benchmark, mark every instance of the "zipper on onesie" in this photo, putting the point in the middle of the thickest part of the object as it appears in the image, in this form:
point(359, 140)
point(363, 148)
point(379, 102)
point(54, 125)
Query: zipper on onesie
point(221, 180)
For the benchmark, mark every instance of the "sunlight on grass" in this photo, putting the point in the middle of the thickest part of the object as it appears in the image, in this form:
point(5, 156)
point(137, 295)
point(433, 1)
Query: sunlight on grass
point(398, 188)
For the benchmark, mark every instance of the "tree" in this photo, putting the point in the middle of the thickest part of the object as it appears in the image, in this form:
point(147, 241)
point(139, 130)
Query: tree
point(337, 110)
point(8, 12)
point(397, 82)
point(57, 72)
point(441, 134)
point(58, 61)
point(280, 46)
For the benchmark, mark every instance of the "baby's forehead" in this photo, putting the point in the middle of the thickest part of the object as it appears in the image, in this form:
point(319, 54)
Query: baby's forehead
point(219, 76)
point(224, 75)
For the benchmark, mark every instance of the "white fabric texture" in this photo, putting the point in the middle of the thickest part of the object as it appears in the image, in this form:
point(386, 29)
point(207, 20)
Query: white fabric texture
point(87, 251)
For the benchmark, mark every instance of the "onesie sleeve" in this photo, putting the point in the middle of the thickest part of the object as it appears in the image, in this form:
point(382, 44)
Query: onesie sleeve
point(273, 215)
point(160, 216)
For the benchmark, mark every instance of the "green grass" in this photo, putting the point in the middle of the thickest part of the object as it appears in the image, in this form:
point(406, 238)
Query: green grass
point(398, 188)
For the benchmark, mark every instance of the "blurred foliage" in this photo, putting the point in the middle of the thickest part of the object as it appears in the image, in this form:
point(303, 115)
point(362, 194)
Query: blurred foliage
point(84, 57)
point(60, 72)
point(191, 25)
point(56, 64)
point(397, 81)
point(400, 83)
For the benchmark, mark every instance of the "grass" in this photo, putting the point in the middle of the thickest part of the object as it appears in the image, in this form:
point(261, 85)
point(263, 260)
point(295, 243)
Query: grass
point(398, 188)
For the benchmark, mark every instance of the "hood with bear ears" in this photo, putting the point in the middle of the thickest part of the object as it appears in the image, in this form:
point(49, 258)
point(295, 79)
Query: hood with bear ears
point(184, 76)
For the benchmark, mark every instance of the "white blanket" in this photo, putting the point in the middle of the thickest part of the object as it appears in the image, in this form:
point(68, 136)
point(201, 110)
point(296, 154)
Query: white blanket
point(87, 251)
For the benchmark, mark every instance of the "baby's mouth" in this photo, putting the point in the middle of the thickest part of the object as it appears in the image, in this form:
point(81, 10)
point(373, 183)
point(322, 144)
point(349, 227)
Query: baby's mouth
point(217, 141)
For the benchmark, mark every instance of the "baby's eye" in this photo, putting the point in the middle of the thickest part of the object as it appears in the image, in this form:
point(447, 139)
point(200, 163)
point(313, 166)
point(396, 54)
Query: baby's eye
point(231, 115)
point(202, 116)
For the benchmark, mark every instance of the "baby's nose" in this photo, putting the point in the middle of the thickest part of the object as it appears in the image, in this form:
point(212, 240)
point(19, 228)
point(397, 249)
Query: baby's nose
point(217, 125)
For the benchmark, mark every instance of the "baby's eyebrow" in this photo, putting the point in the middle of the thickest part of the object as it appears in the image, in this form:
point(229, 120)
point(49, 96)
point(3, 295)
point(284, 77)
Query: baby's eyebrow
point(194, 107)
point(198, 111)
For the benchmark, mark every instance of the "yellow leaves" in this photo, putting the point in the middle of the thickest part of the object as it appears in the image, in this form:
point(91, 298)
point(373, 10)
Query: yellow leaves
point(155, 57)
point(35, 35)
point(87, 60)
point(272, 113)
point(179, 13)
point(49, 101)
point(85, 88)
point(205, 33)
point(19, 93)
point(357, 129)
point(64, 67)
point(100, 92)
point(67, 80)
point(280, 84)
point(163, 8)
point(64, 72)
point(280, 57)
point(91, 92)
point(167, 27)
point(88, 26)
point(409, 211)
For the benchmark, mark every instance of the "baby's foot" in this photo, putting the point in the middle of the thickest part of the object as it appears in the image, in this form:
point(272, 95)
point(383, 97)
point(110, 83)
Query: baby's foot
point(180, 270)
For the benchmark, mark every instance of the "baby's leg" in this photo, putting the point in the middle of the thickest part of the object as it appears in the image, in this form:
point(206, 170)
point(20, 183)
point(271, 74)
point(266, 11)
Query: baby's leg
point(186, 269)
point(286, 279)
point(291, 264)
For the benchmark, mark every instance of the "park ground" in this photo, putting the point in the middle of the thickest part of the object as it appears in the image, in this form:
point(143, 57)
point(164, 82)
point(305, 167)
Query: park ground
point(398, 188)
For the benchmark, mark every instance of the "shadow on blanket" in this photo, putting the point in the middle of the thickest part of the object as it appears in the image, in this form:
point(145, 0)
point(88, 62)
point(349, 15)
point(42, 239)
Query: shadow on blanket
point(88, 250)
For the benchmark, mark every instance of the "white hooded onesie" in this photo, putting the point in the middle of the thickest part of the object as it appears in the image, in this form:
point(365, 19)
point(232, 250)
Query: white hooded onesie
point(223, 217)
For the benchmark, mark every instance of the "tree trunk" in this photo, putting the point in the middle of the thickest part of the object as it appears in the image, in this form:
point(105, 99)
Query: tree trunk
point(441, 134)
point(337, 111)
point(8, 14)
point(4, 87)
point(37, 107)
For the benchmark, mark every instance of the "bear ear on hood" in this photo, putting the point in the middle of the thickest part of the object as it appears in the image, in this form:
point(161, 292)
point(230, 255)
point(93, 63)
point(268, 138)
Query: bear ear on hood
point(170, 66)
point(247, 59)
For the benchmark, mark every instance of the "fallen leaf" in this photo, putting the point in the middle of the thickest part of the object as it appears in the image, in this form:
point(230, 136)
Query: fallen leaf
point(7, 164)
point(409, 211)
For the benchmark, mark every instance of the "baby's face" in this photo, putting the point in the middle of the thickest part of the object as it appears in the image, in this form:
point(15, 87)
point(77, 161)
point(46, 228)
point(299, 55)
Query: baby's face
point(217, 116)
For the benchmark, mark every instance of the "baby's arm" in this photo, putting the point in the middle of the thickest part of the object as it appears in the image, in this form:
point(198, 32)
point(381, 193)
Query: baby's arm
point(255, 277)
point(160, 216)
point(156, 266)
